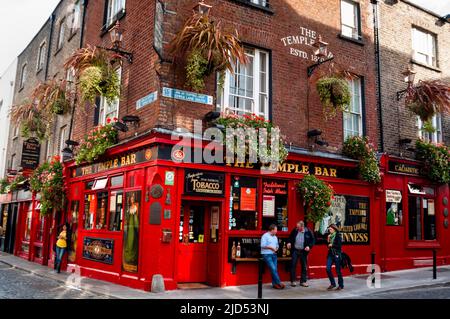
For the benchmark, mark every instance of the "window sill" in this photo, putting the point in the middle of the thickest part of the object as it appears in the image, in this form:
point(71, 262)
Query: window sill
point(38, 71)
point(21, 89)
point(267, 10)
point(58, 50)
point(72, 35)
point(430, 67)
point(119, 16)
point(353, 40)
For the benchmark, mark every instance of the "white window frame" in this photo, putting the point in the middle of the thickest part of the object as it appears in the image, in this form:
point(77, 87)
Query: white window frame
point(223, 100)
point(41, 57)
point(61, 33)
point(345, 25)
point(435, 137)
point(62, 140)
point(23, 75)
point(262, 3)
point(356, 93)
point(103, 114)
point(113, 8)
point(75, 17)
point(428, 54)
point(13, 165)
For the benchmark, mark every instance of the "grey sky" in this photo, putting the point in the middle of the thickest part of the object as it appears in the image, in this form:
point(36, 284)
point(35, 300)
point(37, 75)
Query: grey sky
point(20, 20)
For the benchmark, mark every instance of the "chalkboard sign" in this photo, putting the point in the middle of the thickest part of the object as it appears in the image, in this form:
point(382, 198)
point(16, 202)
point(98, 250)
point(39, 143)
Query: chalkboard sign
point(250, 247)
point(31, 151)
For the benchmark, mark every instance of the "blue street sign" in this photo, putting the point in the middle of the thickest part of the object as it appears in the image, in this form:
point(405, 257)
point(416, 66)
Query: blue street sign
point(187, 96)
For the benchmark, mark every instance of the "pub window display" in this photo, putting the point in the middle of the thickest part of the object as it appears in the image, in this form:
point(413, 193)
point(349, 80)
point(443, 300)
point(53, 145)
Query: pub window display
point(275, 204)
point(102, 203)
point(421, 213)
point(243, 202)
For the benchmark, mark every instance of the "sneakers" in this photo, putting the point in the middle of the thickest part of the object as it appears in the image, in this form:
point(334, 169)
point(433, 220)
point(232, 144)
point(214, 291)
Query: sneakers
point(293, 284)
point(331, 287)
point(278, 286)
point(304, 284)
point(339, 288)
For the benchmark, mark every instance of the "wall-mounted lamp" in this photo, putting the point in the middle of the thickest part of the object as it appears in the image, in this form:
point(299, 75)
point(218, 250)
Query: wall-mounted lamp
point(409, 75)
point(135, 120)
point(202, 8)
point(315, 134)
point(211, 116)
point(116, 35)
point(321, 53)
point(67, 152)
point(122, 127)
point(443, 20)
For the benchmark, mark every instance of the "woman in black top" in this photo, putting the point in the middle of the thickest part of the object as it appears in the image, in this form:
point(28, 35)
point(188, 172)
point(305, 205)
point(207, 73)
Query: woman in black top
point(334, 256)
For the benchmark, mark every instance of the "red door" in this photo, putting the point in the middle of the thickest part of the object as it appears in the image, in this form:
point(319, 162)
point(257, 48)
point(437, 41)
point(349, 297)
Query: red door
point(193, 252)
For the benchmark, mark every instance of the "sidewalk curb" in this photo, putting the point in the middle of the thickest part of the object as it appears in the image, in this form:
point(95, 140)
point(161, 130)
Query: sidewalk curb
point(57, 279)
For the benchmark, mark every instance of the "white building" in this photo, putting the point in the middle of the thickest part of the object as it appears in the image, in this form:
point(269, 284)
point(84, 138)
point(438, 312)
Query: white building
point(7, 82)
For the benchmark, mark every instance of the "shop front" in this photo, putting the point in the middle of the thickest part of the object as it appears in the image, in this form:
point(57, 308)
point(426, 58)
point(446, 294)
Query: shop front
point(144, 210)
point(415, 219)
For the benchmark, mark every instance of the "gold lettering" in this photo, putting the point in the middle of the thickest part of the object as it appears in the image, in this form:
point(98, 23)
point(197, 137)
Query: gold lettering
point(305, 169)
point(318, 171)
point(282, 167)
point(333, 172)
point(290, 167)
point(133, 158)
point(123, 161)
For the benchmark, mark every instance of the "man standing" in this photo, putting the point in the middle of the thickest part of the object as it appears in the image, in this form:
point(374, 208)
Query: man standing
point(302, 240)
point(269, 248)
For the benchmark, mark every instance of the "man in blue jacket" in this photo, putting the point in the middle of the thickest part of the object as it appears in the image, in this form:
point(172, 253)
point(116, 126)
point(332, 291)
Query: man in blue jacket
point(269, 249)
point(301, 240)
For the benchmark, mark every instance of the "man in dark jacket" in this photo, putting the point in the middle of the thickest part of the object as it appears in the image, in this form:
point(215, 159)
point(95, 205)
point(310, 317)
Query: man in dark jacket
point(301, 240)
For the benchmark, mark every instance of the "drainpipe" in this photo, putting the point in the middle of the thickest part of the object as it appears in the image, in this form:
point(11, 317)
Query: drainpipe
point(378, 65)
point(49, 49)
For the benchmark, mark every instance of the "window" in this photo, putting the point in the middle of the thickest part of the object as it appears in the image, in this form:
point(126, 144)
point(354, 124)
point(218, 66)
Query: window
point(353, 122)
point(243, 211)
point(424, 47)
point(13, 164)
point(62, 140)
point(114, 8)
point(262, 3)
point(41, 57)
point(421, 213)
point(62, 29)
point(432, 134)
point(49, 155)
point(275, 204)
point(23, 75)
point(75, 17)
point(247, 91)
point(350, 19)
point(109, 111)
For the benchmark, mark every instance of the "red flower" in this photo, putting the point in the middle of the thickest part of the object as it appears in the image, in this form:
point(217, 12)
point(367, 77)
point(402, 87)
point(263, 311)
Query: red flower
point(108, 120)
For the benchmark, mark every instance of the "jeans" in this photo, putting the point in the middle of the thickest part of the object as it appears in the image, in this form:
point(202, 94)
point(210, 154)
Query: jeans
point(271, 261)
point(58, 257)
point(301, 255)
point(336, 260)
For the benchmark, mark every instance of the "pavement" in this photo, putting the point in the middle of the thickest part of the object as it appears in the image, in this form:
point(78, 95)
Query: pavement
point(356, 287)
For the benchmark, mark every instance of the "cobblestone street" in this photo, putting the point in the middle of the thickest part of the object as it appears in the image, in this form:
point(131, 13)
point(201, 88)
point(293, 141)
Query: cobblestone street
point(19, 284)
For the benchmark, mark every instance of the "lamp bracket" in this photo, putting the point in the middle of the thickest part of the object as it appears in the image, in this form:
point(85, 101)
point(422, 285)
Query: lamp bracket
point(314, 66)
point(124, 54)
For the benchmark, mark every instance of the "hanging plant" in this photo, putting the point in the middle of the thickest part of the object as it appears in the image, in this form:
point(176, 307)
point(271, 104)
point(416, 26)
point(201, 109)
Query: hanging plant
point(14, 185)
point(207, 49)
point(254, 122)
point(93, 67)
point(334, 93)
point(428, 98)
point(436, 159)
point(96, 143)
point(32, 121)
point(359, 148)
point(317, 196)
point(48, 180)
point(4, 186)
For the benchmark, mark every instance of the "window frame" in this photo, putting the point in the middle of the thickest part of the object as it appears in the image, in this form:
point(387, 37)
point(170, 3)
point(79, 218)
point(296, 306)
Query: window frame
point(422, 197)
point(357, 20)
point(75, 18)
point(23, 75)
point(103, 105)
point(223, 95)
point(61, 34)
point(361, 115)
point(435, 137)
point(433, 54)
point(109, 16)
point(62, 140)
point(41, 57)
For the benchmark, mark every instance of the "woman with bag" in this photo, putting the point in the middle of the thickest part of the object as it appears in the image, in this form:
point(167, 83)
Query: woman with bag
point(334, 257)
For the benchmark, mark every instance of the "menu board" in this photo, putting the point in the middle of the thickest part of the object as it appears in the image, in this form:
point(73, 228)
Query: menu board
point(248, 199)
point(268, 206)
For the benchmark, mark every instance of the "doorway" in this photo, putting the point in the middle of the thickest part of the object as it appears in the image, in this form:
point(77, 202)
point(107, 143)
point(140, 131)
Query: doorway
point(198, 249)
point(10, 233)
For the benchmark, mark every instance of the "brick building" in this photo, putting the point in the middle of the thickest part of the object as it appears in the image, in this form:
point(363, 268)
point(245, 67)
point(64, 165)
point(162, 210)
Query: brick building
point(40, 61)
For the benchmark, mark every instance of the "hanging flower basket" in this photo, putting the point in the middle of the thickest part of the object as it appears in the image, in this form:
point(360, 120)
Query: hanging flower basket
point(359, 148)
point(317, 196)
point(96, 143)
point(48, 180)
point(334, 93)
point(207, 49)
point(436, 159)
point(428, 98)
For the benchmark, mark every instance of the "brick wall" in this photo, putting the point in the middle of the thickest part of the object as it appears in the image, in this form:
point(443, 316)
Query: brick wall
point(396, 47)
point(256, 27)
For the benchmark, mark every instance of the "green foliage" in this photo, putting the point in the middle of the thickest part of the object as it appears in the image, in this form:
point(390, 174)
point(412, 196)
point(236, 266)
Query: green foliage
point(14, 186)
point(335, 95)
point(317, 196)
point(255, 122)
point(96, 80)
point(4, 186)
point(35, 126)
point(428, 127)
point(48, 180)
point(436, 158)
point(96, 143)
point(359, 148)
point(196, 69)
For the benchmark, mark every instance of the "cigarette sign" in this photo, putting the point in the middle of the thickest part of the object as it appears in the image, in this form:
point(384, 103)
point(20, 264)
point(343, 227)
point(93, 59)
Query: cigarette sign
point(393, 196)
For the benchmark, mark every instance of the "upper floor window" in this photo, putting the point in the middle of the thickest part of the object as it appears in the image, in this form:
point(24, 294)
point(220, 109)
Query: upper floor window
point(23, 76)
point(247, 90)
point(109, 110)
point(353, 119)
point(424, 47)
point(350, 19)
point(62, 30)
point(431, 134)
point(62, 140)
point(113, 9)
point(262, 3)
point(13, 164)
point(75, 17)
point(41, 57)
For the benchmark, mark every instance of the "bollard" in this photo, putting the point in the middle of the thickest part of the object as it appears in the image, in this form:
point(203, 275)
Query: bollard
point(260, 277)
point(434, 265)
point(373, 267)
